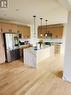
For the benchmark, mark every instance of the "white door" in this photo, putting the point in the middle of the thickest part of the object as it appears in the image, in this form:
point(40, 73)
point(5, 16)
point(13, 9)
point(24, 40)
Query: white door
point(2, 52)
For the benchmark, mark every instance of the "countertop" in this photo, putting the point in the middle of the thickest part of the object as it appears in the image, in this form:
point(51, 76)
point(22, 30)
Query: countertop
point(34, 51)
point(25, 46)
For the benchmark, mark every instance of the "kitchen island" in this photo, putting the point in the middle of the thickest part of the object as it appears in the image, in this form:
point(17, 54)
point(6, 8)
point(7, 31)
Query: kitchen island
point(33, 57)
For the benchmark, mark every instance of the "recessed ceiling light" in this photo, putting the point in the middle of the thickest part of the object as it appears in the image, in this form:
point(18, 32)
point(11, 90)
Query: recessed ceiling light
point(5, 15)
point(17, 9)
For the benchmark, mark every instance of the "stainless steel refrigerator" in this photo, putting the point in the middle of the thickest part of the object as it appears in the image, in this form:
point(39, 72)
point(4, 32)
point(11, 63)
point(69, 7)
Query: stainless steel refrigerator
point(11, 44)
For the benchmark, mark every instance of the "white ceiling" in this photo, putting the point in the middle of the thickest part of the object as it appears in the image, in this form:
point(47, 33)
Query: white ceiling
point(23, 11)
point(69, 2)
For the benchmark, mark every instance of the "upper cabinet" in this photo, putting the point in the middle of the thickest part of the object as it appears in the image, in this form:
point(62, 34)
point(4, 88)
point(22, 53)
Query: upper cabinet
point(9, 27)
point(24, 30)
point(51, 31)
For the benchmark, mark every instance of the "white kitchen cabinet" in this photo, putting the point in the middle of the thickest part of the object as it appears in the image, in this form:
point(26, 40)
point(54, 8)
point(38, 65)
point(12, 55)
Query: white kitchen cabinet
point(34, 57)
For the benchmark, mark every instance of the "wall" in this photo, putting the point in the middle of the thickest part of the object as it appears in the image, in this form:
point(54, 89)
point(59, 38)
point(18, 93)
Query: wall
point(2, 52)
point(67, 57)
point(62, 51)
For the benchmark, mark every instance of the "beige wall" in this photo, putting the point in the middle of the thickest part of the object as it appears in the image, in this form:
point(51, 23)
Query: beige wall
point(67, 56)
point(2, 52)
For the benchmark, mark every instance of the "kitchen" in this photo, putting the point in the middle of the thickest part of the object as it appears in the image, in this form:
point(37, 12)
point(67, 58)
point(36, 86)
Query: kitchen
point(16, 38)
point(35, 57)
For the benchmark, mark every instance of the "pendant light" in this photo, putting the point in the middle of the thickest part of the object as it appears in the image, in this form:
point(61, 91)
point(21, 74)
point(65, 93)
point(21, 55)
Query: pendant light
point(41, 27)
point(46, 23)
point(34, 26)
point(46, 34)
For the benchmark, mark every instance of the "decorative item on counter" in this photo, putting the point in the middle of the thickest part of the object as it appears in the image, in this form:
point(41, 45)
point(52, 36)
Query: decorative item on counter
point(40, 43)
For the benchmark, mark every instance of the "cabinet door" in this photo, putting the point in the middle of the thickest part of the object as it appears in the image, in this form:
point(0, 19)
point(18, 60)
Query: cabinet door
point(27, 32)
point(8, 27)
point(12, 54)
point(55, 30)
point(17, 54)
point(24, 30)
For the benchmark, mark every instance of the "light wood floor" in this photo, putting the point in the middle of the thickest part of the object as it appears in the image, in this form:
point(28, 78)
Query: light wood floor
point(18, 79)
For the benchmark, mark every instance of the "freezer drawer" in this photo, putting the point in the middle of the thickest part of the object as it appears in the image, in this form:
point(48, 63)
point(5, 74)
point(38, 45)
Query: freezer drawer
point(13, 55)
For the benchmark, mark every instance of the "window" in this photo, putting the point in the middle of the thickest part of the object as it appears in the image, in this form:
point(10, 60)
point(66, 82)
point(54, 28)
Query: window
point(3, 3)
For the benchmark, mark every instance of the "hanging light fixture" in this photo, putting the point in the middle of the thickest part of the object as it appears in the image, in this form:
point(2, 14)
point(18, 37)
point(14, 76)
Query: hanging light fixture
point(34, 26)
point(41, 27)
point(46, 34)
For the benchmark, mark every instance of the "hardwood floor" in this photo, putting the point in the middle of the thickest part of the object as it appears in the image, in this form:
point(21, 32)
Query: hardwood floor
point(19, 79)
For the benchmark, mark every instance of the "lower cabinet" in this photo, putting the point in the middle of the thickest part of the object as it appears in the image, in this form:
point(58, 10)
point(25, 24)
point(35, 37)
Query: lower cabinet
point(21, 54)
point(14, 54)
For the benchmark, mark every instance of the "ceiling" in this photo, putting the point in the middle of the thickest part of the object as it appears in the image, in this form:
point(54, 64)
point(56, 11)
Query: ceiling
point(69, 2)
point(23, 11)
